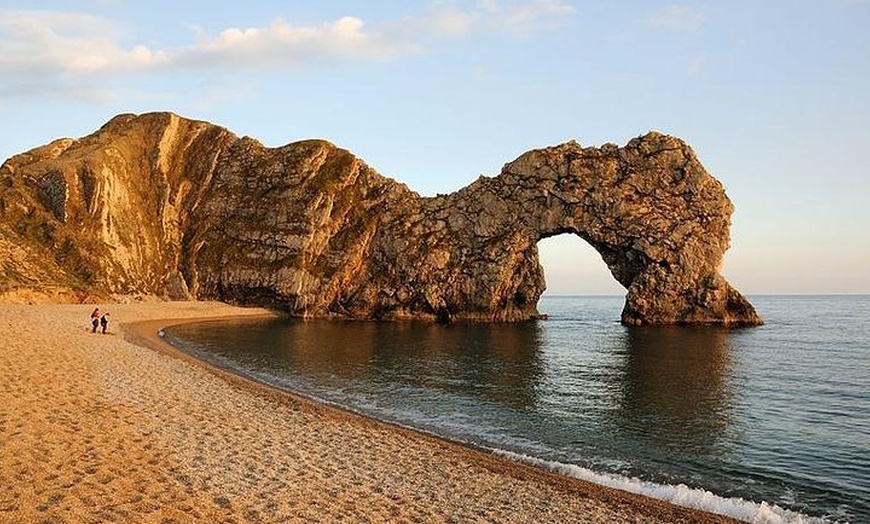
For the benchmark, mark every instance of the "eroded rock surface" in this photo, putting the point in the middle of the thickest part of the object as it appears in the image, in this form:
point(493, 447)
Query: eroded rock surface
point(157, 204)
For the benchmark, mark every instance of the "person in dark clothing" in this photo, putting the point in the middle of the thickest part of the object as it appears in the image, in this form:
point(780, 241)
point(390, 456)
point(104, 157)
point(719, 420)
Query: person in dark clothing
point(104, 321)
point(95, 319)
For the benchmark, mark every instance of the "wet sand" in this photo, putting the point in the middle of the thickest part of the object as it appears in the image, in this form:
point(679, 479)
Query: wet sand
point(124, 428)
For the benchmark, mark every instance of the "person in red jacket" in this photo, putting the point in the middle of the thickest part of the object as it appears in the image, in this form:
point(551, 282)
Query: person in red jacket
point(95, 319)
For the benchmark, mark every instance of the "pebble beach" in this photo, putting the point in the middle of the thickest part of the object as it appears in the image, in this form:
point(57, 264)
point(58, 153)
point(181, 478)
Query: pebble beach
point(124, 428)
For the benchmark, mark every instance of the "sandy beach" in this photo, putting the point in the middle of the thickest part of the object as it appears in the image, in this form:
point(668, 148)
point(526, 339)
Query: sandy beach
point(123, 428)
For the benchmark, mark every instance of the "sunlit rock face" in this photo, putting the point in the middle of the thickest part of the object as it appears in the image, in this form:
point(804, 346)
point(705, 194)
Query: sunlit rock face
point(160, 205)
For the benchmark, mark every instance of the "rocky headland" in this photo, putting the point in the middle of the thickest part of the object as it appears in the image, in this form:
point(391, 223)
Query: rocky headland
point(160, 205)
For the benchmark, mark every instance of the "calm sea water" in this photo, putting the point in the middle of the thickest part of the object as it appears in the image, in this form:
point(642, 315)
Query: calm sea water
point(778, 415)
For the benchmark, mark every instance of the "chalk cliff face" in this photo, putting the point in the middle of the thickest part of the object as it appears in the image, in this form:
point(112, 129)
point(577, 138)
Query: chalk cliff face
point(161, 205)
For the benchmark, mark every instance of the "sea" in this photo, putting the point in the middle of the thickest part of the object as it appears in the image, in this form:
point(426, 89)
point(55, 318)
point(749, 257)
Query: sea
point(766, 424)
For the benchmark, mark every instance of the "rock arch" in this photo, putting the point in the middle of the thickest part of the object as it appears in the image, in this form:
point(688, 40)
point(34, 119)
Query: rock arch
point(162, 205)
point(658, 220)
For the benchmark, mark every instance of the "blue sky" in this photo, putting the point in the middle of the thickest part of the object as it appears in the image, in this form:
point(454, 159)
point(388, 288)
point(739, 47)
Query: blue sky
point(774, 96)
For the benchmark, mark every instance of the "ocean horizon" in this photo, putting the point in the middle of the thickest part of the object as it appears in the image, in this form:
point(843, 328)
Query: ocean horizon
point(764, 424)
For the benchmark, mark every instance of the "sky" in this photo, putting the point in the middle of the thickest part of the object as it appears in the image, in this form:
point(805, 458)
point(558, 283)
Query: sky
point(774, 97)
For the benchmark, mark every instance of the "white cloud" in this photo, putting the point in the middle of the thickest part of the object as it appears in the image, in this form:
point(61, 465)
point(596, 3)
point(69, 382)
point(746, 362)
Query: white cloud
point(80, 44)
point(678, 17)
point(68, 54)
point(451, 19)
point(283, 44)
point(57, 54)
point(52, 42)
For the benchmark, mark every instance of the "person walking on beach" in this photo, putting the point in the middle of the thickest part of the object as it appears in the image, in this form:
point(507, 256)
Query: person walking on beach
point(95, 319)
point(104, 321)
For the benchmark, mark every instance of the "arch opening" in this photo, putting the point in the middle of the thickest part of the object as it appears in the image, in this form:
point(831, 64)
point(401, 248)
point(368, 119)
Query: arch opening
point(572, 266)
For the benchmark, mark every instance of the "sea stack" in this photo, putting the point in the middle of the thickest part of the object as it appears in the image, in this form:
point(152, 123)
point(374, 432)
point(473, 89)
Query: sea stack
point(157, 204)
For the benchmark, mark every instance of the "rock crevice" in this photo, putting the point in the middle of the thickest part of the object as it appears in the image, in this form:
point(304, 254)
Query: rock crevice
point(162, 205)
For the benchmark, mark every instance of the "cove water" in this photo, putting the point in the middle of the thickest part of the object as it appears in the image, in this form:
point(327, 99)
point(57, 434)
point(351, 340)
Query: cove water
point(765, 424)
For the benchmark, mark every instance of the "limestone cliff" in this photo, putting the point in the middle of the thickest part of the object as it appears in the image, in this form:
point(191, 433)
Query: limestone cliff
point(161, 205)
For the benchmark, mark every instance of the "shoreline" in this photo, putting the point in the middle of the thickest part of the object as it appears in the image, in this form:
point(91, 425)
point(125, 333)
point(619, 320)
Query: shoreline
point(201, 443)
point(146, 333)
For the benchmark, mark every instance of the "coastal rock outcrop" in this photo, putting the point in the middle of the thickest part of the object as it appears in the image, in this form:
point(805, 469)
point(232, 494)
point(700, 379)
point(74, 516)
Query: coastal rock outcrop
point(161, 205)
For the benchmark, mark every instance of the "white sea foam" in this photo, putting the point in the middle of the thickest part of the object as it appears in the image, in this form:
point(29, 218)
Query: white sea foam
point(681, 495)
